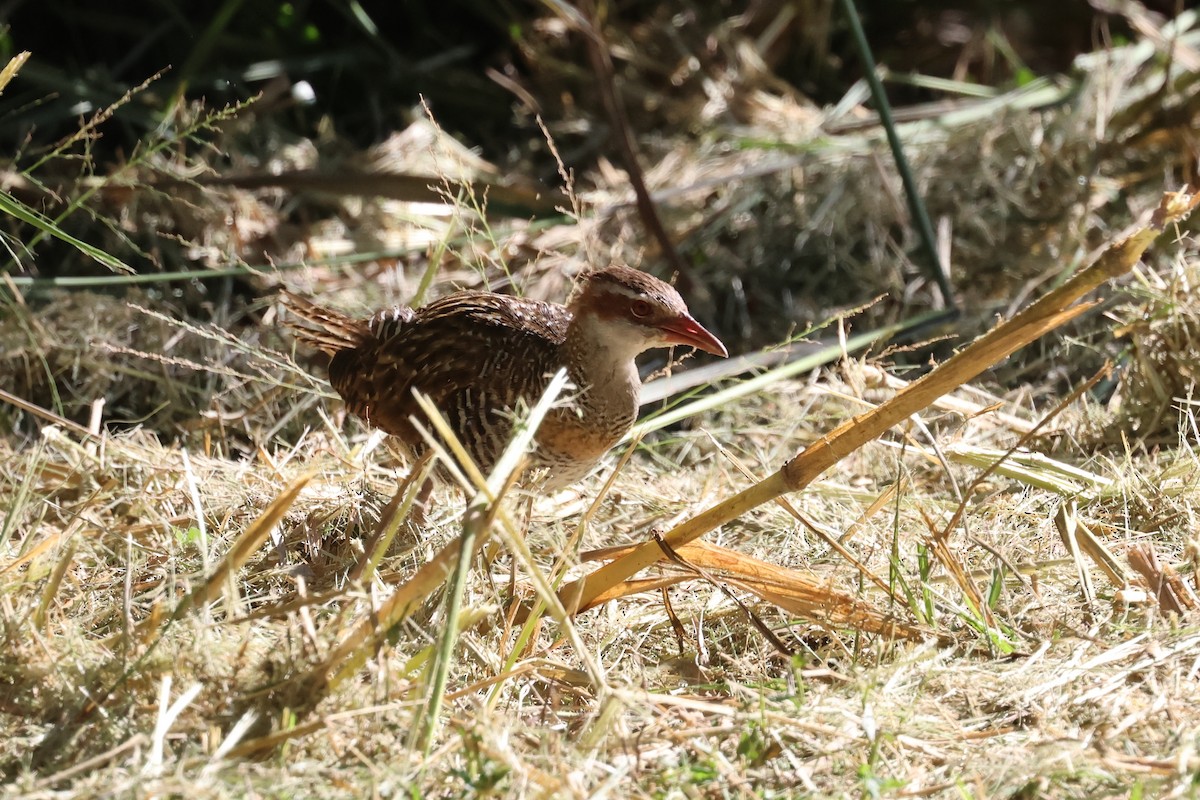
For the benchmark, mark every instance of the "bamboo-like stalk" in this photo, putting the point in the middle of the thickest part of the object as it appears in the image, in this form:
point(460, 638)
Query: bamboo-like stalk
point(1046, 314)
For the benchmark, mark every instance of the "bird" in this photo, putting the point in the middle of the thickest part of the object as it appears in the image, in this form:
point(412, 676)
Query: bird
point(480, 356)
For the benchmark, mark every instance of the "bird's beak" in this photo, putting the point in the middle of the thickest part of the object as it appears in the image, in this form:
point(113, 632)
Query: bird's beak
point(685, 330)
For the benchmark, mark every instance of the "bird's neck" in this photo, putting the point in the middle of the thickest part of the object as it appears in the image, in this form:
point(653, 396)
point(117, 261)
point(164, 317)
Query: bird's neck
point(602, 366)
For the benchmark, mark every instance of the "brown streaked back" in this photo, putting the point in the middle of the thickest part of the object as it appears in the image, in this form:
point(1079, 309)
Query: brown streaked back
point(474, 354)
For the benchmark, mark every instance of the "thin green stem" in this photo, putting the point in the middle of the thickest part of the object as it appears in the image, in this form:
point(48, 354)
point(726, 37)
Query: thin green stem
point(916, 205)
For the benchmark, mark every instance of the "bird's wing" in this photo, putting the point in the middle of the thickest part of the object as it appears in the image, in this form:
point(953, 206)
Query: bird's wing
point(466, 351)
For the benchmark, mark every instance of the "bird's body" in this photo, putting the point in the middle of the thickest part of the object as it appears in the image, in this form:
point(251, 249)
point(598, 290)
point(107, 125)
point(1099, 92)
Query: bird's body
point(481, 356)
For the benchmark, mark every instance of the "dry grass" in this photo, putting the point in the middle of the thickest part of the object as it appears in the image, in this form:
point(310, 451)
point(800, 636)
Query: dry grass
point(1063, 696)
point(184, 604)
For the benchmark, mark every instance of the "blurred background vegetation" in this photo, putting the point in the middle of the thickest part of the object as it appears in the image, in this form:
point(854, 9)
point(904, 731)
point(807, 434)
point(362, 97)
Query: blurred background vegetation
point(131, 125)
point(482, 65)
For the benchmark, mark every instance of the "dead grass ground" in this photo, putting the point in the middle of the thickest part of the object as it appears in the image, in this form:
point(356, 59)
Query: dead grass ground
point(129, 669)
point(1085, 700)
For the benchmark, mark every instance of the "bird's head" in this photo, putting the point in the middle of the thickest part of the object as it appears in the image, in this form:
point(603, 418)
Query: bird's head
point(635, 311)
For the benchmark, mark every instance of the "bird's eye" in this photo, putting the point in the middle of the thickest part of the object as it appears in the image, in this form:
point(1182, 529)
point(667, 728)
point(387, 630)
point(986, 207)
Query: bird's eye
point(640, 308)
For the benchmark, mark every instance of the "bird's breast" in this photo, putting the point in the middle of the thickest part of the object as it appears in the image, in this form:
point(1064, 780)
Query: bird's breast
point(574, 437)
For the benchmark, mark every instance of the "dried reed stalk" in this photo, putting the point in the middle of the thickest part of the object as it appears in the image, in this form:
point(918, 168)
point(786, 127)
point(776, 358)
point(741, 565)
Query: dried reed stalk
point(1046, 314)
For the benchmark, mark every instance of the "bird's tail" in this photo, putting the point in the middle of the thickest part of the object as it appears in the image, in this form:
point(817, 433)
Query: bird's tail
point(327, 330)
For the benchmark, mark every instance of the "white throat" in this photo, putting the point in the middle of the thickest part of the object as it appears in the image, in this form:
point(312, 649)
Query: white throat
point(601, 362)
